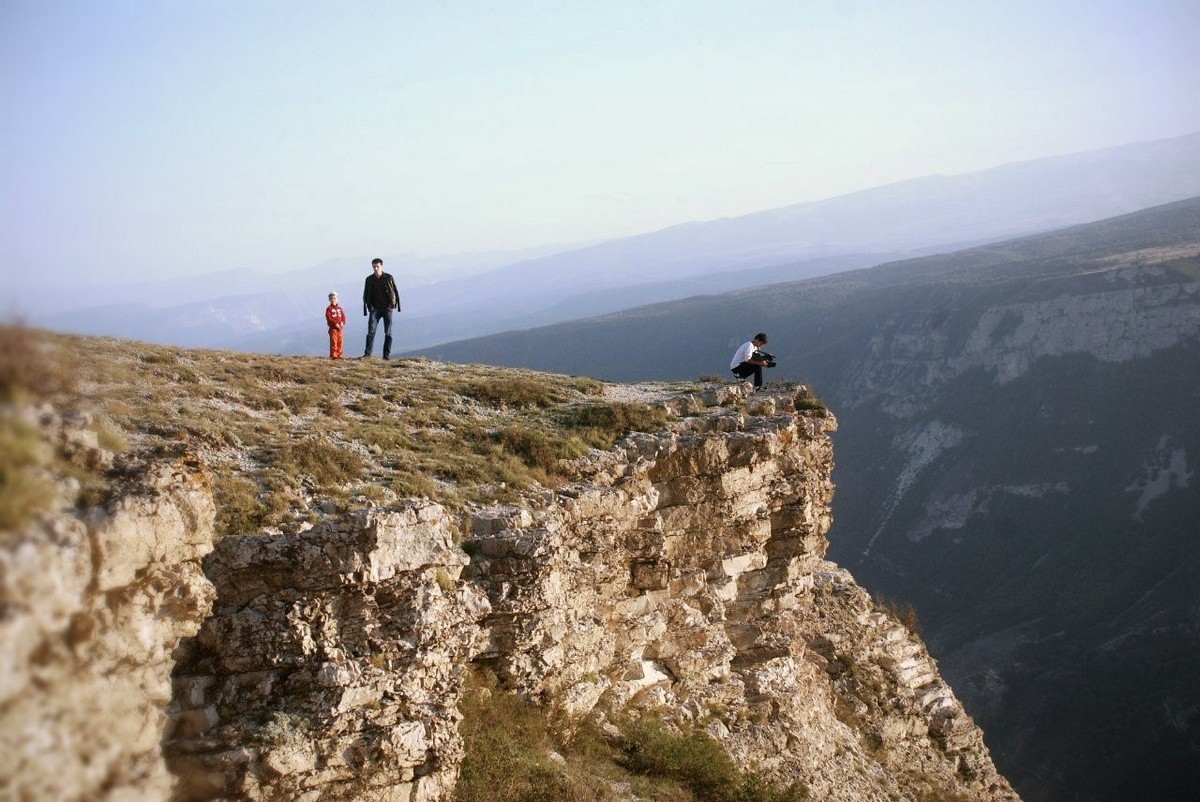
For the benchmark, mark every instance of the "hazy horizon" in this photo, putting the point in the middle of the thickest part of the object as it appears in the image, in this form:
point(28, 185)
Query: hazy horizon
point(182, 139)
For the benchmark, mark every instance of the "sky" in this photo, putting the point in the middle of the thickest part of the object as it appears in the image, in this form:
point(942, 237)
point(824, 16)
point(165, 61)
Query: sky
point(155, 138)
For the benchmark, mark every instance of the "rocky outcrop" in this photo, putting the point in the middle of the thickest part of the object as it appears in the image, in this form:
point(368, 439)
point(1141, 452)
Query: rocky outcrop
point(91, 607)
point(688, 574)
point(684, 572)
point(332, 665)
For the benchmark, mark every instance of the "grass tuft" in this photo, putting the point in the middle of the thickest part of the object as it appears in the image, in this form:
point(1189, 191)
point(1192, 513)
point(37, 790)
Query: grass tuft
point(238, 508)
point(526, 392)
point(327, 463)
point(903, 613)
point(24, 490)
point(698, 761)
point(602, 425)
point(26, 373)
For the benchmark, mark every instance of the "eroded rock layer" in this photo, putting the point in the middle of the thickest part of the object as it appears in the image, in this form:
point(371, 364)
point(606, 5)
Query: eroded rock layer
point(688, 574)
point(684, 572)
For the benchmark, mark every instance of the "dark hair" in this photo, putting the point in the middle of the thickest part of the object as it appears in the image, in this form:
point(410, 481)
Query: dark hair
point(376, 261)
point(761, 337)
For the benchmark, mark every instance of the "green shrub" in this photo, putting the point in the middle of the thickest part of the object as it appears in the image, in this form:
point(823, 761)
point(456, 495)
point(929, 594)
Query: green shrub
point(531, 446)
point(810, 403)
point(508, 742)
point(537, 449)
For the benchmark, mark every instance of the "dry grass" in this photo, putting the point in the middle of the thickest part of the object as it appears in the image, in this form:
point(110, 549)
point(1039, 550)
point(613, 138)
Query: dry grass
point(26, 464)
point(511, 744)
point(284, 435)
point(24, 487)
point(26, 374)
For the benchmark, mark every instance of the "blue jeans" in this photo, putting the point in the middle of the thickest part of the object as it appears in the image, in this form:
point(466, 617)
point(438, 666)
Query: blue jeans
point(375, 316)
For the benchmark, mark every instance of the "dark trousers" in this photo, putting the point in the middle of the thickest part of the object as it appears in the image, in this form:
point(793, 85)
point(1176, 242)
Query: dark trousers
point(372, 321)
point(744, 370)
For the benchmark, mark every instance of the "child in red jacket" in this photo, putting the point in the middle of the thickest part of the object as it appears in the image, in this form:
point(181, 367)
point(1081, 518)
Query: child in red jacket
point(335, 316)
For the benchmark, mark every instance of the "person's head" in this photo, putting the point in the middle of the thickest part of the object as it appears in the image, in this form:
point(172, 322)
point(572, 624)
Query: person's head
point(760, 340)
point(333, 298)
point(377, 266)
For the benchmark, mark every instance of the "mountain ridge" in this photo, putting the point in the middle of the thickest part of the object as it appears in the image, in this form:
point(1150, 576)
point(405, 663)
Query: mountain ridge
point(873, 223)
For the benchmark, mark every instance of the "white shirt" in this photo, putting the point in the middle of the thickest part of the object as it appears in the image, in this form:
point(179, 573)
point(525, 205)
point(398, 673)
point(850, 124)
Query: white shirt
point(742, 354)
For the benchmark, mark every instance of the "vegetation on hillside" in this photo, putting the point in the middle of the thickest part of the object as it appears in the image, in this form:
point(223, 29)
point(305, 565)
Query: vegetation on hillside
point(287, 437)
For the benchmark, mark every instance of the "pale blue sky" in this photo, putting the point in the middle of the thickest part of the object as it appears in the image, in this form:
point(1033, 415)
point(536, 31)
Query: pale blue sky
point(187, 136)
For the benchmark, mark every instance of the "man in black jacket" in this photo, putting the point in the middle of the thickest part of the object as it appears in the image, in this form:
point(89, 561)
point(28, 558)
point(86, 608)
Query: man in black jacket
point(380, 297)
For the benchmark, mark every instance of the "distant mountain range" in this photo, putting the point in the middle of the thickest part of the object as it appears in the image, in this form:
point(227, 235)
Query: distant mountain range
point(219, 309)
point(489, 293)
point(1017, 456)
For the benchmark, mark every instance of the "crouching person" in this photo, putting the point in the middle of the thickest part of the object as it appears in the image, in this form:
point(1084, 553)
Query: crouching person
point(747, 361)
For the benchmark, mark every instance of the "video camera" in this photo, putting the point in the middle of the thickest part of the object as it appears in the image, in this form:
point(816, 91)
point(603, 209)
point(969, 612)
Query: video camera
point(763, 356)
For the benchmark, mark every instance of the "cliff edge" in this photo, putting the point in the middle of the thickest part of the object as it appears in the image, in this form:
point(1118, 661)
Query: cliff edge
point(680, 573)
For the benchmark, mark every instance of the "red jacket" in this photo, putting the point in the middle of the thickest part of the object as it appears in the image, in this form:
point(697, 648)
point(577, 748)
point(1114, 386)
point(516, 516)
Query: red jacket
point(335, 316)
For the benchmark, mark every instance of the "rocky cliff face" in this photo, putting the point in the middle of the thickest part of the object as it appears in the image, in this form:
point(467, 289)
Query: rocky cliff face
point(331, 666)
point(688, 575)
point(1127, 309)
point(91, 607)
point(685, 573)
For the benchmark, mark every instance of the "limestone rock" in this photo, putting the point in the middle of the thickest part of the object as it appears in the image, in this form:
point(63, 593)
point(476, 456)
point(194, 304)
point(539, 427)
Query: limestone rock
point(91, 608)
point(684, 571)
point(693, 579)
point(334, 660)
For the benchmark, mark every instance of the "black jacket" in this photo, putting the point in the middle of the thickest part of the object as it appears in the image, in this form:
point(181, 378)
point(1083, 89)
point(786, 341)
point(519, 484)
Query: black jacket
point(379, 292)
